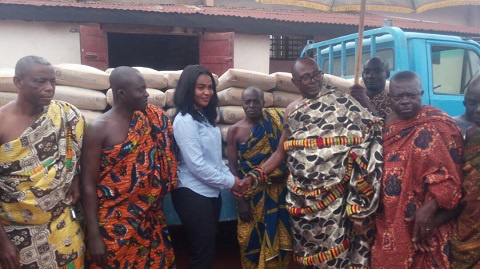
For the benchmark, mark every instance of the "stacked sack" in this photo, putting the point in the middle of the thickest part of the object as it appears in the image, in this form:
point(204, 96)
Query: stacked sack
point(172, 81)
point(285, 92)
point(155, 81)
point(80, 85)
point(8, 90)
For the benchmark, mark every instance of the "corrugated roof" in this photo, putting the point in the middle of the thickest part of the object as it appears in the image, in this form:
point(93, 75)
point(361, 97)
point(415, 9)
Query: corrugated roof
point(295, 17)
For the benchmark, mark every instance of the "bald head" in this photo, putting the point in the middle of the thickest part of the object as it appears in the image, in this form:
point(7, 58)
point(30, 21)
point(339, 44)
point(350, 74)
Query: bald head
point(24, 65)
point(378, 63)
point(300, 62)
point(473, 86)
point(472, 98)
point(252, 90)
point(122, 76)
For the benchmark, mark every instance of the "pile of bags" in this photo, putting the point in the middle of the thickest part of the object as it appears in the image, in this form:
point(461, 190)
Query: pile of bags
point(88, 89)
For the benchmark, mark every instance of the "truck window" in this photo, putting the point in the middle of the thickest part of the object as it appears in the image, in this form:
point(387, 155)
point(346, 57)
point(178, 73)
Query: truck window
point(386, 54)
point(452, 69)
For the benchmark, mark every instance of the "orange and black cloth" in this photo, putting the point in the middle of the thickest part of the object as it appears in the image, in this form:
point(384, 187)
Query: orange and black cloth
point(134, 178)
point(423, 156)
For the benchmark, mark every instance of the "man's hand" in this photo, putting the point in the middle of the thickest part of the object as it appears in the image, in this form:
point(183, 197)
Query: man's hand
point(97, 251)
point(73, 193)
point(9, 255)
point(245, 212)
point(423, 225)
point(359, 93)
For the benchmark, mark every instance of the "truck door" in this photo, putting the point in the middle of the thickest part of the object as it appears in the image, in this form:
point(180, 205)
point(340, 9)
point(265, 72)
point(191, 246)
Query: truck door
point(451, 67)
point(93, 46)
point(216, 52)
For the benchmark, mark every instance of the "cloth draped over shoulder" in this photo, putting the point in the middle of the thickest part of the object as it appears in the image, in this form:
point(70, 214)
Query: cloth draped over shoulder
point(36, 171)
point(265, 242)
point(134, 177)
point(334, 149)
point(422, 162)
point(466, 235)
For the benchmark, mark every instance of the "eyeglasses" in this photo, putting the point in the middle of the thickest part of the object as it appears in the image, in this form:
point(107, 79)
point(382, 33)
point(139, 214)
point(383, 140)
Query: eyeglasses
point(409, 96)
point(317, 75)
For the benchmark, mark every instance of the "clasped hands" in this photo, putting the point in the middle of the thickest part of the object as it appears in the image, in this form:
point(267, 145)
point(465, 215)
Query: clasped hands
point(241, 186)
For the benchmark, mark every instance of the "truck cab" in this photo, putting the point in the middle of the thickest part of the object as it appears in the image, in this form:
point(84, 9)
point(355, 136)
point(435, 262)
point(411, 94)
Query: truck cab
point(445, 64)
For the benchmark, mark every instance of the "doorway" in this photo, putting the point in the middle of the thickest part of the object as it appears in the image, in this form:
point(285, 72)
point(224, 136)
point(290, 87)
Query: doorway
point(160, 52)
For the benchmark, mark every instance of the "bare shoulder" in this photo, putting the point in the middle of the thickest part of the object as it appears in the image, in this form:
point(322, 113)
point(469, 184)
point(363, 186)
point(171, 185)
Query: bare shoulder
point(233, 130)
point(7, 114)
point(472, 132)
point(100, 125)
point(291, 106)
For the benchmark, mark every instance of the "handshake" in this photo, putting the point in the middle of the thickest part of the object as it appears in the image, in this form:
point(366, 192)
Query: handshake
point(242, 186)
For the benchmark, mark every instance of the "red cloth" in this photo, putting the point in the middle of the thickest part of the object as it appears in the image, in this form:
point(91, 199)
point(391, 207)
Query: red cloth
point(422, 162)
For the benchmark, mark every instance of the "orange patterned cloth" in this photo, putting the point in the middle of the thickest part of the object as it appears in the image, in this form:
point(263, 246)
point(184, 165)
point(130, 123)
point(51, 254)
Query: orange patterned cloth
point(422, 162)
point(134, 178)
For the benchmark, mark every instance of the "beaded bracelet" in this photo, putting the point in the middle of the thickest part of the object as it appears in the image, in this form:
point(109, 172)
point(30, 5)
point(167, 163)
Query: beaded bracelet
point(258, 175)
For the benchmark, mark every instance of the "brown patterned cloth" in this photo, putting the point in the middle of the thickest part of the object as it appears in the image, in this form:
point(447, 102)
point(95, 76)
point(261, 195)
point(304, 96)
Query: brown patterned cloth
point(422, 162)
point(466, 234)
point(335, 156)
point(381, 102)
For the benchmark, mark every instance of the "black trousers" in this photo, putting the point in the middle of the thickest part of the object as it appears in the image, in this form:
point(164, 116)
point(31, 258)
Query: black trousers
point(199, 216)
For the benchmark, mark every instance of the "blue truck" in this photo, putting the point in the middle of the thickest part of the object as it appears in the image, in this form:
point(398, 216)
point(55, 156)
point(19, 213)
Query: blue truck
point(445, 64)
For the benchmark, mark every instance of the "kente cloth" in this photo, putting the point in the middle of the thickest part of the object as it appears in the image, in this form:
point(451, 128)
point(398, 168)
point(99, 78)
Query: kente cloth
point(422, 162)
point(134, 178)
point(381, 103)
point(334, 149)
point(466, 233)
point(36, 171)
point(265, 242)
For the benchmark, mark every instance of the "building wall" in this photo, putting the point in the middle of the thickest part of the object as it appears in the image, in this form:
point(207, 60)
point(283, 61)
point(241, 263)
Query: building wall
point(252, 52)
point(51, 40)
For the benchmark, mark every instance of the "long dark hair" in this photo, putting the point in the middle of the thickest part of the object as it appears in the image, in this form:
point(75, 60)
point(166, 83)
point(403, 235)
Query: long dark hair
point(185, 91)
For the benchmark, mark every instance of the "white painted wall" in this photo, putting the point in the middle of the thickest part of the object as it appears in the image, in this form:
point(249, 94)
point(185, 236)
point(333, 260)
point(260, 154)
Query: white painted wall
point(252, 52)
point(50, 40)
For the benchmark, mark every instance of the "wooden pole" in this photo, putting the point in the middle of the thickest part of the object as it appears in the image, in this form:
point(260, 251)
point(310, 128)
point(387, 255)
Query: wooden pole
point(360, 41)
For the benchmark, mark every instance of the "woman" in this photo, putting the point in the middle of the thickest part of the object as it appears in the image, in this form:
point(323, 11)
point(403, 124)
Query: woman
point(202, 173)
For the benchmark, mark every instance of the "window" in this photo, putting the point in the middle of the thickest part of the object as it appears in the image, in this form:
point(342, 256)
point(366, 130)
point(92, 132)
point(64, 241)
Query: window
point(453, 68)
point(287, 47)
point(386, 54)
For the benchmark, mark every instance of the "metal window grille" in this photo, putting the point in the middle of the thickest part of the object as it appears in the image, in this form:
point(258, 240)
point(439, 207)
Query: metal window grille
point(287, 47)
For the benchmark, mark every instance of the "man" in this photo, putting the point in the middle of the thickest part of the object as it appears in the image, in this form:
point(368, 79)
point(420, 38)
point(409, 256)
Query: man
point(334, 150)
point(422, 149)
point(471, 100)
point(375, 98)
point(40, 143)
point(466, 233)
point(263, 227)
point(128, 167)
